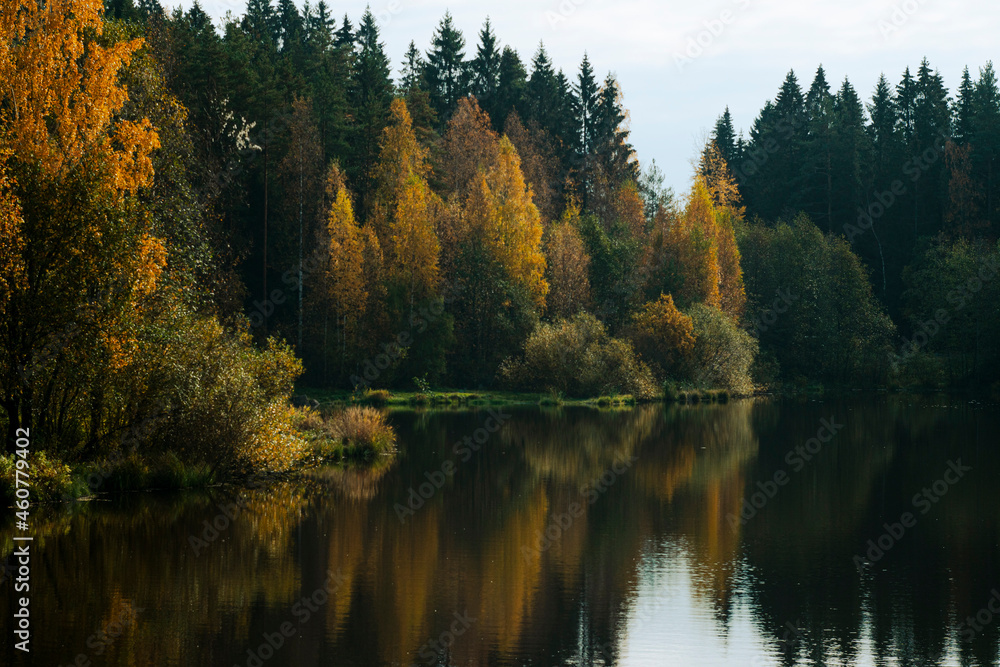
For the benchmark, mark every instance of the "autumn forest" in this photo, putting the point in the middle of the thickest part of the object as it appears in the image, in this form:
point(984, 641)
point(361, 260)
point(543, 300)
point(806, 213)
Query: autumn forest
point(197, 219)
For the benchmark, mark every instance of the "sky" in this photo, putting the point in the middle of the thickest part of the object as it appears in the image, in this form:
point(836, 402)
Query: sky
point(681, 63)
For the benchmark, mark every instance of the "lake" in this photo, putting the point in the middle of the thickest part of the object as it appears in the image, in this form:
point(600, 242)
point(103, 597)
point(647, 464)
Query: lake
point(861, 531)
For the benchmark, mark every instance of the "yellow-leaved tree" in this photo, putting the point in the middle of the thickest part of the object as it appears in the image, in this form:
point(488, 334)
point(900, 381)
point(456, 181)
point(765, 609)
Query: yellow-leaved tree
point(663, 335)
point(493, 240)
point(567, 266)
point(61, 93)
point(340, 297)
point(694, 256)
point(81, 258)
point(725, 195)
point(405, 211)
point(503, 218)
point(693, 239)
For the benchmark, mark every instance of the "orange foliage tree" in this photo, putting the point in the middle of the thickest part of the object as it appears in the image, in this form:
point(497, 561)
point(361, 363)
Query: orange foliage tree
point(693, 254)
point(405, 211)
point(61, 93)
point(538, 162)
point(84, 259)
point(501, 215)
point(342, 288)
point(492, 234)
point(693, 239)
point(468, 146)
point(568, 267)
point(662, 335)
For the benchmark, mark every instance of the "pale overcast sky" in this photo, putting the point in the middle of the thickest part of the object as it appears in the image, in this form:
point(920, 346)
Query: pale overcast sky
point(746, 48)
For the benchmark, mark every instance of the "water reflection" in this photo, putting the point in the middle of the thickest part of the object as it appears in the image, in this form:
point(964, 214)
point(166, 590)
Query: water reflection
point(571, 537)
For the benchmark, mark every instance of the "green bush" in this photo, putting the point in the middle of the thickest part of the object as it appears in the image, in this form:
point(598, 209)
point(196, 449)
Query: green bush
point(553, 398)
point(923, 370)
point(811, 306)
point(376, 397)
point(48, 478)
point(723, 353)
point(223, 402)
point(578, 358)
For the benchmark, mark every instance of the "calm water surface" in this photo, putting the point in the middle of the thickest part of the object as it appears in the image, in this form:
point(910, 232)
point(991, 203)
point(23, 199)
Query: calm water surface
point(688, 535)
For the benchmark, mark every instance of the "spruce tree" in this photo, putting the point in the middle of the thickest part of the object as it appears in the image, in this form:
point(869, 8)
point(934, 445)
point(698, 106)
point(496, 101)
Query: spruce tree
point(885, 236)
point(411, 76)
point(543, 90)
point(615, 156)
point(446, 71)
point(986, 151)
point(932, 128)
point(585, 105)
point(817, 174)
point(346, 38)
point(485, 70)
point(370, 95)
point(724, 136)
point(511, 88)
point(963, 110)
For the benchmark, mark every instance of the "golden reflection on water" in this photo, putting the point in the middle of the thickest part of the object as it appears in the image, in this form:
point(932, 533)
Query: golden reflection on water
point(574, 536)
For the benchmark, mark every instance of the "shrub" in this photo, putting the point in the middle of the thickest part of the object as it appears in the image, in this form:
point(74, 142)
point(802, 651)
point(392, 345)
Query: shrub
point(812, 306)
point(224, 402)
point(578, 358)
point(923, 370)
point(49, 479)
point(662, 335)
point(376, 397)
point(723, 353)
point(553, 398)
point(308, 420)
point(167, 471)
point(363, 430)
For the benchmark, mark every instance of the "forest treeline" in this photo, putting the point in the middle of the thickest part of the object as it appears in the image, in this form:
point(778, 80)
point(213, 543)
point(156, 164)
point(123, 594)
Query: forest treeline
point(196, 216)
point(909, 179)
